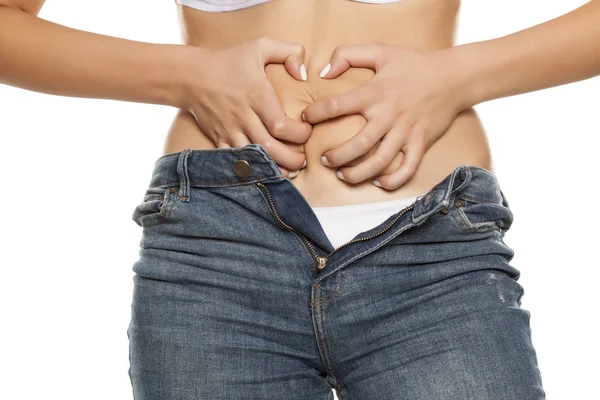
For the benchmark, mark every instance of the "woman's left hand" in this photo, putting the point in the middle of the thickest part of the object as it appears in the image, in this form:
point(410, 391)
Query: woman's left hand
point(410, 102)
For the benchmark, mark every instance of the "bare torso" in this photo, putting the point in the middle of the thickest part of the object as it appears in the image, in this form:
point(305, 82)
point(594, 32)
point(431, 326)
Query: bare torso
point(321, 25)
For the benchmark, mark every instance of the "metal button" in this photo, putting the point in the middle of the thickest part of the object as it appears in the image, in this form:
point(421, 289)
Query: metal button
point(459, 203)
point(242, 168)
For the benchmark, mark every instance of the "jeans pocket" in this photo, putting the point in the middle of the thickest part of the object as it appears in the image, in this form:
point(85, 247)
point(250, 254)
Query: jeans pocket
point(156, 207)
point(477, 215)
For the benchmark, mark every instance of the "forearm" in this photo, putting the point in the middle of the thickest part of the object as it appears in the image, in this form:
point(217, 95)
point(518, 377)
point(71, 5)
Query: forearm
point(42, 56)
point(563, 50)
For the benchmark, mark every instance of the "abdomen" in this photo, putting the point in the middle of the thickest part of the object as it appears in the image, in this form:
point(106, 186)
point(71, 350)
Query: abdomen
point(321, 25)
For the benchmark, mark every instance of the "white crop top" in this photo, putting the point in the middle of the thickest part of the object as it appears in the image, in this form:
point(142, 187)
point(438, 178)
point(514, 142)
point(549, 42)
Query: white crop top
point(231, 5)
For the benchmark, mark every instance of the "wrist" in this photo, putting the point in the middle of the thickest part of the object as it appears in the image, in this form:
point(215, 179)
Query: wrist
point(185, 70)
point(188, 74)
point(458, 64)
point(181, 58)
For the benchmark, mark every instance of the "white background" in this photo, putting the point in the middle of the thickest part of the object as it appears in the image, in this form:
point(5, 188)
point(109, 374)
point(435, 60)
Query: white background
point(74, 169)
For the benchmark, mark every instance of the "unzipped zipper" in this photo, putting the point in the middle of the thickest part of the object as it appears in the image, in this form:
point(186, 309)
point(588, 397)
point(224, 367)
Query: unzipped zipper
point(322, 261)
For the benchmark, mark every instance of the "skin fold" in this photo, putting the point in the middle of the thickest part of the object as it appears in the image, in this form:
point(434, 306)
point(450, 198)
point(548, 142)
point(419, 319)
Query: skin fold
point(395, 105)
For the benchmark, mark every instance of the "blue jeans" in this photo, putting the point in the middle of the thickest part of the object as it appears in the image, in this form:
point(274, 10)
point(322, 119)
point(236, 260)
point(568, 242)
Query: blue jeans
point(238, 293)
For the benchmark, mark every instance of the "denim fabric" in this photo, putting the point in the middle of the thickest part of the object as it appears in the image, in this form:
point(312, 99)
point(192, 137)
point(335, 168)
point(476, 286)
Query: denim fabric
point(238, 293)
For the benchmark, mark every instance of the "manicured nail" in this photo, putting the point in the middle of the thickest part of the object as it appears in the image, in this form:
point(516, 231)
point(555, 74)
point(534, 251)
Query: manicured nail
point(325, 161)
point(303, 72)
point(293, 174)
point(325, 70)
point(303, 165)
point(340, 175)
point(303, 117)
point(376, 183)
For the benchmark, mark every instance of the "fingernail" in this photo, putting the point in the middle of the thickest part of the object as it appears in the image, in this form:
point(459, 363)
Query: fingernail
point(325, 70)
point(303, 72)
point(376, 183)
point(340, 175)
point(293, 174)
point(303, 117)
point(303, 165)
point(325, 161)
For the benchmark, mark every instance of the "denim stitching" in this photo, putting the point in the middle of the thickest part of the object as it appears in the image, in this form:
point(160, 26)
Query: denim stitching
point(158, 217)
point(234, 150)
point(326, 347)
point(338, 289)
point(153, 196)
point(475, 199)
point(212, 183)
point(324, 356)
point(429, 196)
point(334, 293)
point(169, 203)
point(466, 176)
point(476, 168)
point(465, 225)
point(235, 183)
point(182, 172)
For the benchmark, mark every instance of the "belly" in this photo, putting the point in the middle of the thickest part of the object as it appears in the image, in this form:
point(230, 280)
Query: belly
point(321, 25)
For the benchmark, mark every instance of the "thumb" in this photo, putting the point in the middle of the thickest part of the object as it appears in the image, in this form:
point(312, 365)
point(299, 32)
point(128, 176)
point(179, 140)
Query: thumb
point(291, 54)
point(360, 56)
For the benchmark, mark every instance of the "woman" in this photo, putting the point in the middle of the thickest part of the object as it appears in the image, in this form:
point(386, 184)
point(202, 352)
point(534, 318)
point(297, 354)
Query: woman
point(379, 270)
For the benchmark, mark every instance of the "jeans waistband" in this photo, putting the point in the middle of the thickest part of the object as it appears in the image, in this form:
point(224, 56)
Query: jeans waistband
point(251, 164)
point(214, 168)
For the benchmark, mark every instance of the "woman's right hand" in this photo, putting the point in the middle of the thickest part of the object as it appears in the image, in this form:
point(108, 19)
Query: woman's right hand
point(234, 103)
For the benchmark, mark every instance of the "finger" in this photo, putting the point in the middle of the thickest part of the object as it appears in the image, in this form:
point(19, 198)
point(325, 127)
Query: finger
point(291, 54)
point(293, 174)
point(287, 173)
point(373, 165)
point(236, 140)
point(413, 154)
point(357, 145)
point(240, 140)
point(284, 171)
point(353, 102)
point(278, 151)
point(360, 56)
point(268, 108)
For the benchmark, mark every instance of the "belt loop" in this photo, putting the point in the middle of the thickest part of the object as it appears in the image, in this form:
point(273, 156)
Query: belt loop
point(464, 173)
point(182, 171)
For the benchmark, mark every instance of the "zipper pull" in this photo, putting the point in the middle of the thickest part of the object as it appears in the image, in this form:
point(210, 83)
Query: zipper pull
point(322, 262)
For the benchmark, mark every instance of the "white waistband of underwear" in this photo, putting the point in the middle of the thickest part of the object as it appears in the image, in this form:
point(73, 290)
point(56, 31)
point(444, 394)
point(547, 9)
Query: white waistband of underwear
point(342, 223)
